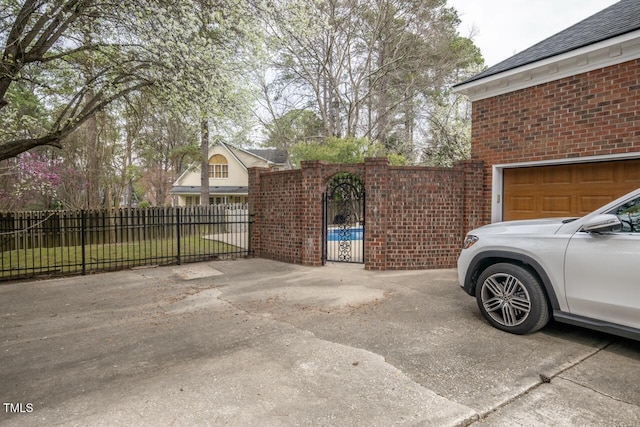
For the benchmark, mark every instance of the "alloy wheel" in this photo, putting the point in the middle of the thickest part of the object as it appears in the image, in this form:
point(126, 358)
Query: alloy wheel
point(505, 299)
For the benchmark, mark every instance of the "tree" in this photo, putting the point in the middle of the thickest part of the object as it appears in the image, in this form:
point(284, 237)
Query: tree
point(183, 51)
point(163, 145)
point(40, 36)
point(367, 68)
point(341, 150)
point(449, 132)
point(36, 183)
point(293, 127)
point(204, 161)
point(86, 76)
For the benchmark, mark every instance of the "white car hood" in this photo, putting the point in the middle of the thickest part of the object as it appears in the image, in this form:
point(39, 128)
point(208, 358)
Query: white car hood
point(532, 226)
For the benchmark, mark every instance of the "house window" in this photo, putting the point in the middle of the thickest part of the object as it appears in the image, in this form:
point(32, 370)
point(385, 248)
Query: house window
point(217, 200)
point(238, 199)
point(192, 200)
point(218, 167)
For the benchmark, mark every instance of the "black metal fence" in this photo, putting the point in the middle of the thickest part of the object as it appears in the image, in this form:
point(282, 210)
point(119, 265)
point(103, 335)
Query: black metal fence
point(58, 243)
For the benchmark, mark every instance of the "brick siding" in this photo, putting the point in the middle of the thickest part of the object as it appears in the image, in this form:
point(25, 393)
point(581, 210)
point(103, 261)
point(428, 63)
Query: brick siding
point(590, 114)
point(278, 222)
point(416, 217)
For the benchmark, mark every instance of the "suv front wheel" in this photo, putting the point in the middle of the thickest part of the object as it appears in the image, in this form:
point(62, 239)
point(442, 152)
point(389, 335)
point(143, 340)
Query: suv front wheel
point(512, 299)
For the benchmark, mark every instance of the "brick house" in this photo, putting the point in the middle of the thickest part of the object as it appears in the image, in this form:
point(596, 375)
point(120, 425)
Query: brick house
point(557, 125)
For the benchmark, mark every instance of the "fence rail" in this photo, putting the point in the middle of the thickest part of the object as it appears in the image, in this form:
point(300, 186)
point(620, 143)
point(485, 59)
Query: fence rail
point(79, 242)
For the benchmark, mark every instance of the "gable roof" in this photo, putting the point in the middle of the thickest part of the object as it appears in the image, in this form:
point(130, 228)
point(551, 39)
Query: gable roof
point(616, 20)
point(270, 154)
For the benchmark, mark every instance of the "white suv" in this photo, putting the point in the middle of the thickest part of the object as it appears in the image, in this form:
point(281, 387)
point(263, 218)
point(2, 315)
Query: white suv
point(583, 271)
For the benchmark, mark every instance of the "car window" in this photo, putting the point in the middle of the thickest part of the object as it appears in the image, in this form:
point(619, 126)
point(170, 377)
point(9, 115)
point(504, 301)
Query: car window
point(629, 214)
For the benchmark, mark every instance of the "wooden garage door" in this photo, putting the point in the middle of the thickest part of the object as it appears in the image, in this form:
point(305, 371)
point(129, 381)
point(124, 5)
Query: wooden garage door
point(566, 190)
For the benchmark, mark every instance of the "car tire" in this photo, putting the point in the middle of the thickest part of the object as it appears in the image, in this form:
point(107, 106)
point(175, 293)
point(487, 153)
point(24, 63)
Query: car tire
point(512, 299)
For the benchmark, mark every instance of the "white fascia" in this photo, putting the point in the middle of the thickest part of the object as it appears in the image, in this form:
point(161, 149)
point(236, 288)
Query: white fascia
point(599, 55)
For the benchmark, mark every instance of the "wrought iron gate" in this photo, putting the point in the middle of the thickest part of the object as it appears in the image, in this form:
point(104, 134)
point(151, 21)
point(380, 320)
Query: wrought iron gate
point(343, 219)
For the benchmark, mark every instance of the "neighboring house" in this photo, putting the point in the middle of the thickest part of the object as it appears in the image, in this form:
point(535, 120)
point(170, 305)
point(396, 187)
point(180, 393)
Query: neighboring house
point(558, 125)
point(228, 176)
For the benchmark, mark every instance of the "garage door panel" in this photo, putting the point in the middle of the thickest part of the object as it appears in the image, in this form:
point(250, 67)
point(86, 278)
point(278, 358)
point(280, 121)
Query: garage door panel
point(551, 175)
point(523, 205)
point(556, 205)
point(588, 204)
point(595, 174)
point(566, 190)
point(631, 172)
point(525, 177)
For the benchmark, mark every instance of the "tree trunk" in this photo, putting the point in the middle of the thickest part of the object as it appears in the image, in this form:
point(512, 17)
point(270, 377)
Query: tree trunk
point(93, 163)
point(409, 123)
point(204, 165)
point(130, 189)
point(382, 97)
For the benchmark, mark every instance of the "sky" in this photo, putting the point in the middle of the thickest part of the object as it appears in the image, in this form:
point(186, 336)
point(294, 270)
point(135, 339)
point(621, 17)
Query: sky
point(506, 27)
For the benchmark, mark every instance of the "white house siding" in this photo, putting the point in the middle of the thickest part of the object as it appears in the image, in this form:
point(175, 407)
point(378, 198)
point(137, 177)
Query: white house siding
point(232, 189)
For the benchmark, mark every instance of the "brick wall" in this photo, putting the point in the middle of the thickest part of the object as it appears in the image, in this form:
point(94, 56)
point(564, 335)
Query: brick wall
point(426, 207)
point(416, 217)
point(276, 201)
point(590, 114)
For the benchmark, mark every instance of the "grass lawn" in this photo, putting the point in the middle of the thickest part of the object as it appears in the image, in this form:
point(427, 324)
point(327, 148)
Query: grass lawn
point(109, 256)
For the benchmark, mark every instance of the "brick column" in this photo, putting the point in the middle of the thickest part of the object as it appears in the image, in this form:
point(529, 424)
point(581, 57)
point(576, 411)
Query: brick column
point(311, 212)
point(473, 212)
point(256, 210)
point(376, 176)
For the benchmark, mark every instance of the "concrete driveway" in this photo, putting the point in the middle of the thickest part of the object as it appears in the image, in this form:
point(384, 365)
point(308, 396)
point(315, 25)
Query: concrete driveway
point(256, 342)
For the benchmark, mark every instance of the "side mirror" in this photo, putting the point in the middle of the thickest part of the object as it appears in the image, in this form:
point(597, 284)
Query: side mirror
point(606, 223)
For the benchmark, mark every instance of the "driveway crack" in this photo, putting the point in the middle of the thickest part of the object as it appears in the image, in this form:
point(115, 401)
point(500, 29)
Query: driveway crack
point(608, 396)
point(543, 379)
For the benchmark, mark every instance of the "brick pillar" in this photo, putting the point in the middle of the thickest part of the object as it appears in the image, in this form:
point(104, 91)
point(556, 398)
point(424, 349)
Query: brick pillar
point(376, 176)
point(311, 212)
point(256, 210)
point(473, 212)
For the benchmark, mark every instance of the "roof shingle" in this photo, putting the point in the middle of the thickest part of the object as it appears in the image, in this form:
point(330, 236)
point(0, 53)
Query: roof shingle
point(270, 154)
point(616, 20)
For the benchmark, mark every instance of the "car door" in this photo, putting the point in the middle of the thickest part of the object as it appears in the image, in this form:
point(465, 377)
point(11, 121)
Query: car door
point(602, 271)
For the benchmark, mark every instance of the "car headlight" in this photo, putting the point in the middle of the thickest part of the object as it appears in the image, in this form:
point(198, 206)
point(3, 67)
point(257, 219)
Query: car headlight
point(469, 241)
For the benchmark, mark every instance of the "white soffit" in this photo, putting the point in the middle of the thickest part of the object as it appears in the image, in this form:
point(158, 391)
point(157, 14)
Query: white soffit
point(599, 55)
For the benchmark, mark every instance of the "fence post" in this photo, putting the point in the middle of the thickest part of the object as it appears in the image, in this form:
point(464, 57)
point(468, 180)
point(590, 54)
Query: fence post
point(249, 233)
point(82, 241)
point(178, 231)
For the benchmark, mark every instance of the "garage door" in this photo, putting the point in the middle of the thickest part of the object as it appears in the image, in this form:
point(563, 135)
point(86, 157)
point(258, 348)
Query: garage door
point(566, 190)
